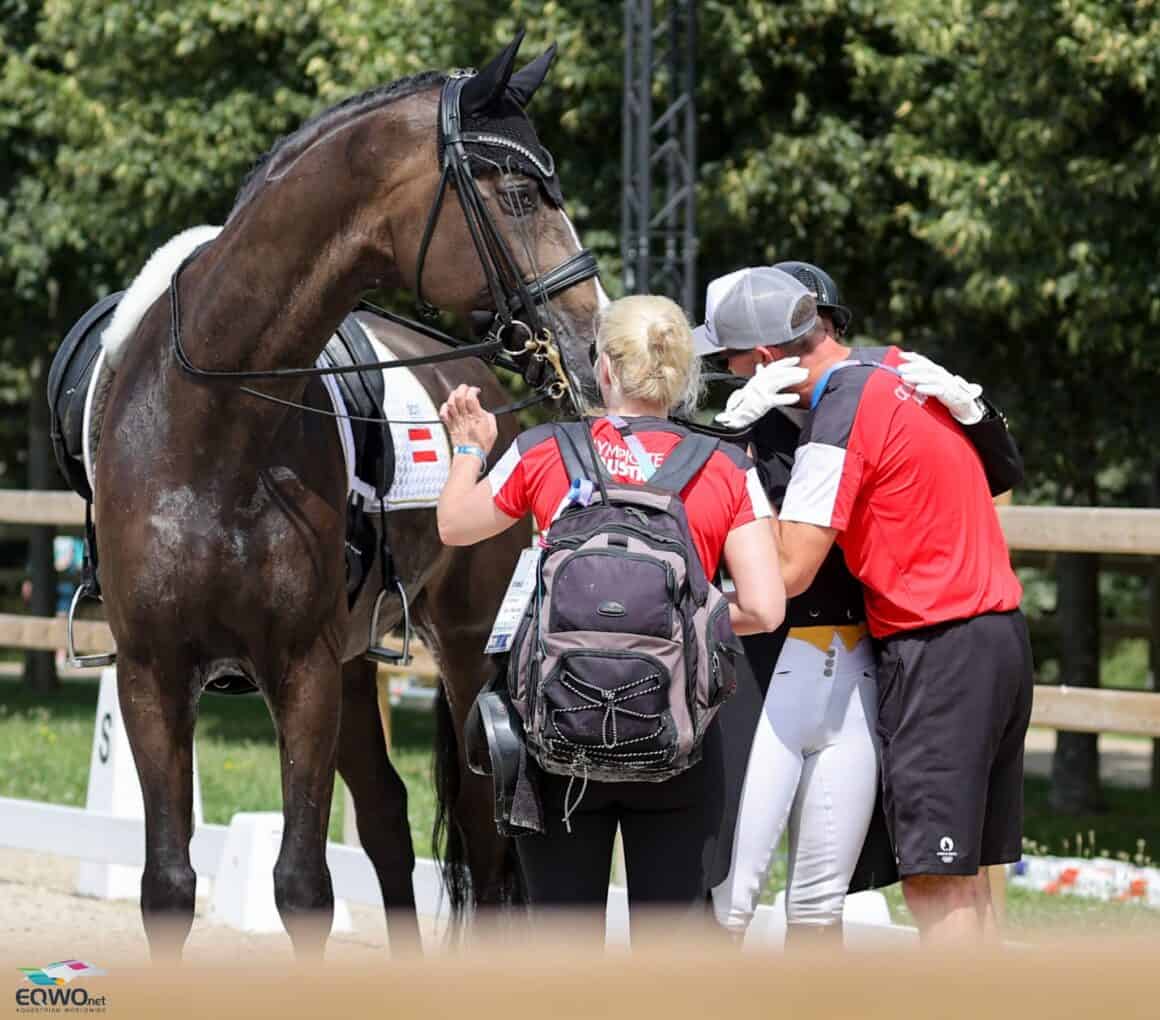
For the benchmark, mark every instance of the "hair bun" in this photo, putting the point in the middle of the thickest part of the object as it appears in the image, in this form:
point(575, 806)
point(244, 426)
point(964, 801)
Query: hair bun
point(649, 346)
point(662, 334)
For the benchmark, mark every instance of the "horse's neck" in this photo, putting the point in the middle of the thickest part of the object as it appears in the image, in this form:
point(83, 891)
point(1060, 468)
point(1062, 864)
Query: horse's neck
point(266, 295)
point(271, 293)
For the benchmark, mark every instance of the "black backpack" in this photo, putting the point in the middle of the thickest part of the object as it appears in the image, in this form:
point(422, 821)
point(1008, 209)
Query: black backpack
point(626, 651)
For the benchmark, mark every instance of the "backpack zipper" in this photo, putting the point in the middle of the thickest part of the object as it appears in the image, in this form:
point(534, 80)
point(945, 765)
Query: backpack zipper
point(625, 529)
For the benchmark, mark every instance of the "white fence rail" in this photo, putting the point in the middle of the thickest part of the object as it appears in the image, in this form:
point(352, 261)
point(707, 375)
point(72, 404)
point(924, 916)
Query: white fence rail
point(112, 839)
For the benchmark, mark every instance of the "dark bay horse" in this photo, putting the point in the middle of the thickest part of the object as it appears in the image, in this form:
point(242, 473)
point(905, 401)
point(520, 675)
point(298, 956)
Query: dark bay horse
point(221, 516)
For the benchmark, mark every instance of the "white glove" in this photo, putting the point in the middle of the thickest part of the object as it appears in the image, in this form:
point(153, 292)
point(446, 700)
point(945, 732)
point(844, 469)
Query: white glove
point(763, 393)
point(957, 395)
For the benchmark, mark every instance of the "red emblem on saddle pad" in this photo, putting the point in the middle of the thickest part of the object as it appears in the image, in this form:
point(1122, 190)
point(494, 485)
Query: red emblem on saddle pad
point(421, 456)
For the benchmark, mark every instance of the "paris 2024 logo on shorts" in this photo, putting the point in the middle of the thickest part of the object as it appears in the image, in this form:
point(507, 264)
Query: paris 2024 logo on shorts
point(53, 989)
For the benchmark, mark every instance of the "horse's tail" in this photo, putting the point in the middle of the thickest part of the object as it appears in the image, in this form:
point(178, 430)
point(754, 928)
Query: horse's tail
point(447, 840)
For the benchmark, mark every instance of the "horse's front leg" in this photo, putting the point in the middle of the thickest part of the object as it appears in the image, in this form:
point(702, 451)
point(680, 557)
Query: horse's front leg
point(159, 709)
point(306, 705)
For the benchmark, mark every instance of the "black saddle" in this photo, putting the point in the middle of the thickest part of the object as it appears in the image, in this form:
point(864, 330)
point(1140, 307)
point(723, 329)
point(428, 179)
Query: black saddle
point(68, 385)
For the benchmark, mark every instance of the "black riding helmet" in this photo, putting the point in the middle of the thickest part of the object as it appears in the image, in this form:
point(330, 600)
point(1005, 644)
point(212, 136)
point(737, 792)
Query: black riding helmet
point(819, 283)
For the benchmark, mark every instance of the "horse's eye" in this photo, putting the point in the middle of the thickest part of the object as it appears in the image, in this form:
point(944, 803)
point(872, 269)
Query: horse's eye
point(517, 197)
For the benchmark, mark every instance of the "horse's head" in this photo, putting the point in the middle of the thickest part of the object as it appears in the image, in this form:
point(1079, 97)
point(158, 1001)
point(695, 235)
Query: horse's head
point(486, 233)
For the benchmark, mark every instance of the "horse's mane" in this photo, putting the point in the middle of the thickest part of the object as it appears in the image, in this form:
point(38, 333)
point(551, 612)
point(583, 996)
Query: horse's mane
point(293, 144)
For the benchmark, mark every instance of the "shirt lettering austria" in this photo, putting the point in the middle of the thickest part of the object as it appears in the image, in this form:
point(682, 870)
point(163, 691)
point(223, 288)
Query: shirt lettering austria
point(724, 495)
point(893, 473)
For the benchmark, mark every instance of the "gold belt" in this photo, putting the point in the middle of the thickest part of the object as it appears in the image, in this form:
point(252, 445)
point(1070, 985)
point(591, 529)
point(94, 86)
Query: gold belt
point(822, 638)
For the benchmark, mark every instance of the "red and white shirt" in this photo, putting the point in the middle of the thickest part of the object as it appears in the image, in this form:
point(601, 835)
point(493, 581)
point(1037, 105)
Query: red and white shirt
point(893, 473)
point(723, 495)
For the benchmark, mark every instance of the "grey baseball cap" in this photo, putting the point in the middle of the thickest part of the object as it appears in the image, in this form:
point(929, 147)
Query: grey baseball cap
point(755, 307)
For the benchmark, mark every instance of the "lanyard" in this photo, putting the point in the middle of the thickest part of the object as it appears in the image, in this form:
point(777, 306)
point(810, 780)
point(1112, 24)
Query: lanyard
point(635, 447)
point(820, 388)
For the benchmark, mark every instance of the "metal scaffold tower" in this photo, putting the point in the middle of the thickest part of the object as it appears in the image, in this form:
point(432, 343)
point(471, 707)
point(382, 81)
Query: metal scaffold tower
point(658, 211)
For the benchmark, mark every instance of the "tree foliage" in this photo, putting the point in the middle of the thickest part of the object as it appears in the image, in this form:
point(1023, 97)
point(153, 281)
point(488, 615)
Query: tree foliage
point(977, 174)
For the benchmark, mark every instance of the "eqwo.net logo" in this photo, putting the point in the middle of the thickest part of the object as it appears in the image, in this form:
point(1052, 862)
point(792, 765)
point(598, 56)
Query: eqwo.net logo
point(52, 990)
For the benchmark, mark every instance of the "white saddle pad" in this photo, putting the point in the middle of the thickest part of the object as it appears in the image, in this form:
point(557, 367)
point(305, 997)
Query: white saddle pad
point(422, 451)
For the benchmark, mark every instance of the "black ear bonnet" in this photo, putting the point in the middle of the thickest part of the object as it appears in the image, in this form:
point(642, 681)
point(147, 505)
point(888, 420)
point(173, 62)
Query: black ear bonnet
point(496, 130)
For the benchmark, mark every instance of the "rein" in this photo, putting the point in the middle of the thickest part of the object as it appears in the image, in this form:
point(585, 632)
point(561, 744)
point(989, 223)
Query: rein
point(510, 339)
point(519, 405)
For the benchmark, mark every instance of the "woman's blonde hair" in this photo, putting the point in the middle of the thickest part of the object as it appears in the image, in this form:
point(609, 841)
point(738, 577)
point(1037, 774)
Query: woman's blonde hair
point(650, 352)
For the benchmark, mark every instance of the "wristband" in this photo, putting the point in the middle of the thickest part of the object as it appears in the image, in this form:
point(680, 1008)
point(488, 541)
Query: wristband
point(474, 451)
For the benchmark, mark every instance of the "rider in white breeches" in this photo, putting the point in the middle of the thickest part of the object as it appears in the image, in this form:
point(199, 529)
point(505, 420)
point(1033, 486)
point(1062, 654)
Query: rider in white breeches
point(813, 760)
point(813, 766)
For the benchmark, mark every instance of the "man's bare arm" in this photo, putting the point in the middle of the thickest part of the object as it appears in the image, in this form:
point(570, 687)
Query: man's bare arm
point(804, 548)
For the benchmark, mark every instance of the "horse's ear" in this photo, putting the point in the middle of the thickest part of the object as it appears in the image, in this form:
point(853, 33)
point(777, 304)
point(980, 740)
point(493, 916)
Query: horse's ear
point(526, 80)
point(487, 85)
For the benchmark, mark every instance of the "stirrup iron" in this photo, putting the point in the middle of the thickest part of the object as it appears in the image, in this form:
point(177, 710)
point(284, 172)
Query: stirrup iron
point(388, 656)
point(95, 660)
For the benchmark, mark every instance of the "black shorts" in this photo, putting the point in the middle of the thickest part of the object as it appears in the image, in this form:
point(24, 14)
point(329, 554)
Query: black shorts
point(954, 701)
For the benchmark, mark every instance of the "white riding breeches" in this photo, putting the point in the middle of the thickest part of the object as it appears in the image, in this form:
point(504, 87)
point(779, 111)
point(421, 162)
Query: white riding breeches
point(813, 766)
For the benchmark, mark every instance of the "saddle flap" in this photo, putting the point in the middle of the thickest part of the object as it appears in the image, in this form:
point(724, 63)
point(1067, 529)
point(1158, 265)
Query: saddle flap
point(363, 393)
point(68, 383)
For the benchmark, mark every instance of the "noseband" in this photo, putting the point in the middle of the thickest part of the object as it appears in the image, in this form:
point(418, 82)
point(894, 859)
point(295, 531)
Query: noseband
point(519, 338)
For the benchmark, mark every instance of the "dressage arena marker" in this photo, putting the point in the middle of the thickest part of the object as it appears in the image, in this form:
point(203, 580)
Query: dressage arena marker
point(115, 789)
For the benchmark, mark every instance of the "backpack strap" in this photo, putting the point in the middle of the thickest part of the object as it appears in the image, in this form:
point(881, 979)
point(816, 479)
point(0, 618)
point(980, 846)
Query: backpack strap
point(574, 440)
point(687, 458)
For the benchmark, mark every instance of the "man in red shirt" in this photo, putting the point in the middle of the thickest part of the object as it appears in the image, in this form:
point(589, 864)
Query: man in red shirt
point(888, 474)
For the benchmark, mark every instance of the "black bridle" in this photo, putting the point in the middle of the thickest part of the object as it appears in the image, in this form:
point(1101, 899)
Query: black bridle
point(519, 338)
point(511, 294)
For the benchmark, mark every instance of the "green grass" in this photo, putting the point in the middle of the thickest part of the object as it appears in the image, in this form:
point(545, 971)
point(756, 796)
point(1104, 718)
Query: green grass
point(1128, 830)
point(1031, 915)
point(45, 746)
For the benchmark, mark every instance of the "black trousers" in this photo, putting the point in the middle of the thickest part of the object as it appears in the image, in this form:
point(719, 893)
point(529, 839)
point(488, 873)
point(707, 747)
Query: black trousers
point(669, 832)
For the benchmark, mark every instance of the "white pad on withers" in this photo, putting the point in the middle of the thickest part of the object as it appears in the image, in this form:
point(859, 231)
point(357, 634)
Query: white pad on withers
point(148, 286)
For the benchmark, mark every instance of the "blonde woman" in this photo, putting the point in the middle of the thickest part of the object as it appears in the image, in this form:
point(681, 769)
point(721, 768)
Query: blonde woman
point(646, 368)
